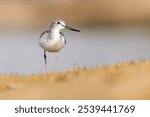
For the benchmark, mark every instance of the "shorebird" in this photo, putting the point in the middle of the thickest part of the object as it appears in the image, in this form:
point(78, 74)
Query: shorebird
point(53, 40)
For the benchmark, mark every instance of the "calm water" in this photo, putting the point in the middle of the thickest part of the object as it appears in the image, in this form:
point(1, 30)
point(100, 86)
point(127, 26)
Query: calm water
point(20, 52)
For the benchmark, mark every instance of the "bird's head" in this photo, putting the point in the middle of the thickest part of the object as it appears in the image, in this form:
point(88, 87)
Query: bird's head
point(60, 24)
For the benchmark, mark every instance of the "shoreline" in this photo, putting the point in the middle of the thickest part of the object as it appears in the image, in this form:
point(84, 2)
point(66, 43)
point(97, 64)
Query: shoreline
point(116, 81)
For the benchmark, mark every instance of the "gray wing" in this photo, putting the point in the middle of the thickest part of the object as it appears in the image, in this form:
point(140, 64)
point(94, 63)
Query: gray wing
point(45, 34)
point(63, 37)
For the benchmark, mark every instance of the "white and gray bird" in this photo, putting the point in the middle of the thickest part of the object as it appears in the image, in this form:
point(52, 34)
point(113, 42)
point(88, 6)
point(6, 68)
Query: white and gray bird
point(53, 40)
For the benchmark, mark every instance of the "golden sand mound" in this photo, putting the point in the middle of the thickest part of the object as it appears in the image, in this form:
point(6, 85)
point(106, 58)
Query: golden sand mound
point(121, 81)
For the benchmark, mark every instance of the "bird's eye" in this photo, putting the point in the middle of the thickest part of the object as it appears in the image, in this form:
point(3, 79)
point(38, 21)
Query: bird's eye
point(58, 22)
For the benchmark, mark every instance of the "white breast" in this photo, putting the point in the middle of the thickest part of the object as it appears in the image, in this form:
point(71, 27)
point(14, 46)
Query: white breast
point(53, 42)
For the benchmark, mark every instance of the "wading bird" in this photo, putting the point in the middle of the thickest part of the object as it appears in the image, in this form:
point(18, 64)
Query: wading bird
point(53, 40)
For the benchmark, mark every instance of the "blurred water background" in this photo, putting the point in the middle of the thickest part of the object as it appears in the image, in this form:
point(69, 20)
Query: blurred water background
point(111, 32)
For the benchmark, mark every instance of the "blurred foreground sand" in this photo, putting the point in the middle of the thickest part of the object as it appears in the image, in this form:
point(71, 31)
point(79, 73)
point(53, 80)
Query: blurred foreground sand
point(120, 81)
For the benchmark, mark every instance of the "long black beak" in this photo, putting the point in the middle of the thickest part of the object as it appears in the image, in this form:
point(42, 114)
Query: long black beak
point(72, 29)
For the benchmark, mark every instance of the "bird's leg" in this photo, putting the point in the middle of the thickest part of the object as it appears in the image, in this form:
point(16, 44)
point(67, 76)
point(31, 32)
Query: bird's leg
point(45, 60)
point(55, 61)
point(45, 57)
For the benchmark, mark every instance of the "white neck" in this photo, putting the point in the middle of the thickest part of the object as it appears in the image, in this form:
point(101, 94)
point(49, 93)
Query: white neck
point(55, 33)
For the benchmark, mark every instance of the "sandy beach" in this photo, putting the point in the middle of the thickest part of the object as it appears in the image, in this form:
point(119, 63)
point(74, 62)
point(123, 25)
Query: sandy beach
point(88, 13)
point(116, 81)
